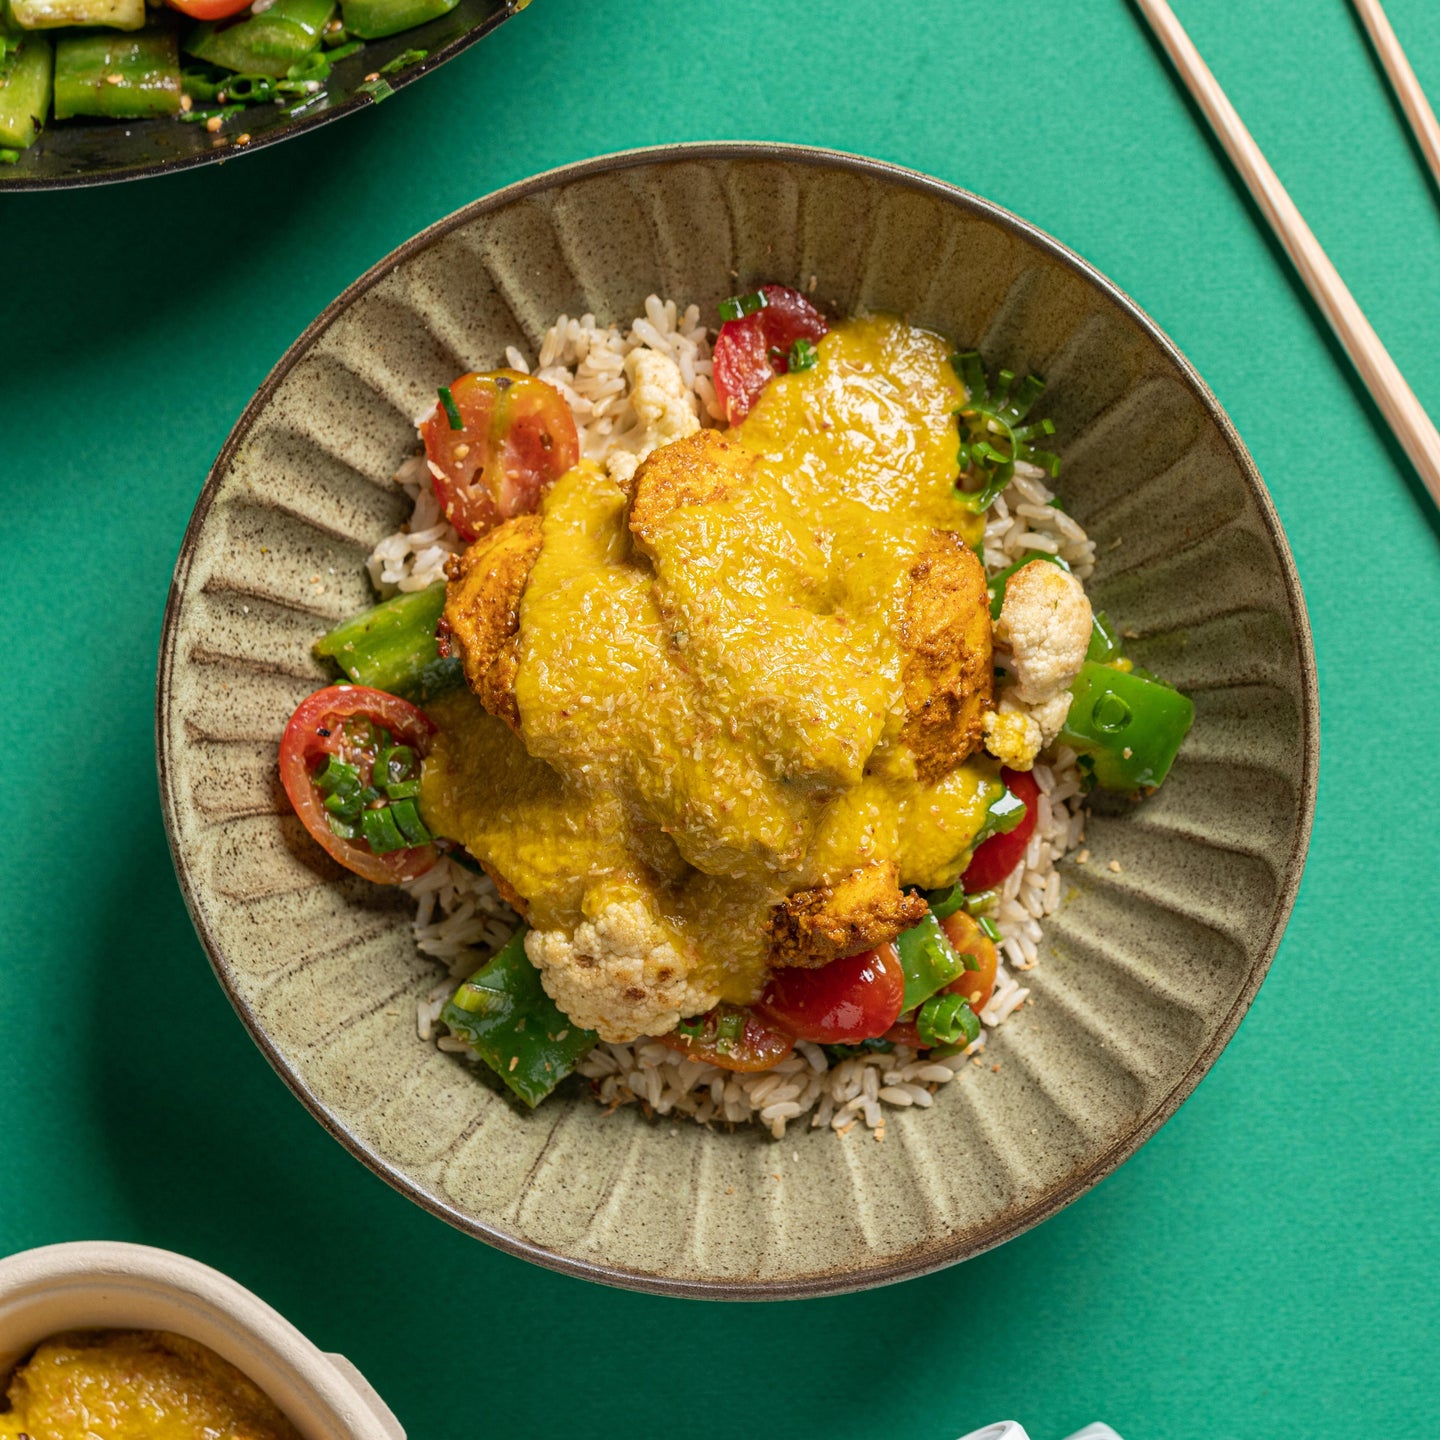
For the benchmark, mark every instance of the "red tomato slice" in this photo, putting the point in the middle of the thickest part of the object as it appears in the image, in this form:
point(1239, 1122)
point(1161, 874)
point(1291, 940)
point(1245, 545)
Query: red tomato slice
point(516, 435)
point(733, 1037)
point(339, 721)
point(969, 939)
point(751, 351)
point(209, 9)
point(841, 1003)
point(996, 857)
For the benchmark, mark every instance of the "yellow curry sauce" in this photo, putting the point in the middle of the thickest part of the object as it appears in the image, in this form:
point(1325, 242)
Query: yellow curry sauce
point(136, 1385)
point(718, 724)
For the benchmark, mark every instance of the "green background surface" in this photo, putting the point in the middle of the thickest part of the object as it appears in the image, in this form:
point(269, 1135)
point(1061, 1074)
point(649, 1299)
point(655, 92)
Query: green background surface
point(1266, 1265)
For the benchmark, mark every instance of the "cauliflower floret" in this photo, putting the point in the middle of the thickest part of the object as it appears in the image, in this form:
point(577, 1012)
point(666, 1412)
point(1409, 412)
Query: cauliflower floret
point(1045, 623)
point(665, 408)
point(1012, 737)
point(619, 974)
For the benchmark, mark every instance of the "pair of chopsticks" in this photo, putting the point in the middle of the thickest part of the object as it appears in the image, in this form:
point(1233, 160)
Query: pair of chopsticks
point(1406, 416)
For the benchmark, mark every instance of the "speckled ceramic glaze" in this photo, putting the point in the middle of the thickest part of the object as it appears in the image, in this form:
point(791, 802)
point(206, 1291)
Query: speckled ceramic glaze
point(1148, 966)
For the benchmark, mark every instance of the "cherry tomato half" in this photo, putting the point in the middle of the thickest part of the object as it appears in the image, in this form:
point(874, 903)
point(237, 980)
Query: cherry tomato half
point(969, 939)
point(341, 722)
point(751, 351)
point(209, 9)
point(516, 435)
point(996, 857)
point(841, 1003)
point(733, 1037)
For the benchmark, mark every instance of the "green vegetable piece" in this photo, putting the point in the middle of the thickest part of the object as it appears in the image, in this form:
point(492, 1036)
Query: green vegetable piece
point(1127, 727)
point(405, 790)
point(344, 805)
point(943, 903)
point(403, 61)
point(947, 1020)
point(1003, 814)
point(992, 437)
point(392, 647)
point(382, 834)
point(345, 829)
point(990, 930)
point(48, 14)
point(503, 1013)
point(803, 355)
point(982, 902)
point(371, 19)
point(265, 44)
point(875, 1046)
point(377, 89)
point(738, 306)
point(393, 765)
point(123, 77)
point(996, 583)
point(343, 52)
point(928, 960)
point(24, 90)
point(1104, 642)
point(336, 774)
point(452, 410)
point(407, 821)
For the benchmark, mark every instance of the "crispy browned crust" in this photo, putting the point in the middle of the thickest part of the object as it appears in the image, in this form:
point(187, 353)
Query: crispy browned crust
point(948, 674)
point(698, 470)
point(867, 908)
point(508, 893)
point(482, 611)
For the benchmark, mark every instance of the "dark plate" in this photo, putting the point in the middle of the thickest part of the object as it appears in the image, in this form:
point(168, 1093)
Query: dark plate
point(75, 152)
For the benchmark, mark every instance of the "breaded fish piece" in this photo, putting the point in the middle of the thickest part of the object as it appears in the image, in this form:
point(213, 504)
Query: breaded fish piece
point(865, 909)
point(698, 470)
point(949, 666)
point(482, 611)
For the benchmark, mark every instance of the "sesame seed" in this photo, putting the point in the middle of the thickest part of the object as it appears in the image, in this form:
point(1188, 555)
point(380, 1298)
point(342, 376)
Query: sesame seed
point(213, 124)
point(1114, 867)
point(514, 1061)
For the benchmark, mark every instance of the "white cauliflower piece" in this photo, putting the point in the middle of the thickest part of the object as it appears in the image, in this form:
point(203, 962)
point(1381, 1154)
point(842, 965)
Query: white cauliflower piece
point(618, 974)
point(1050, 716)
point(1012, 737)
point(1045, 623)
point(665, 409)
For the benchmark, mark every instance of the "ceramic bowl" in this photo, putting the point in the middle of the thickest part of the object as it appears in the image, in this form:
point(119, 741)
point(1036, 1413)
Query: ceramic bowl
point(97, 152)
point(1166, 932)
point(107, 1285)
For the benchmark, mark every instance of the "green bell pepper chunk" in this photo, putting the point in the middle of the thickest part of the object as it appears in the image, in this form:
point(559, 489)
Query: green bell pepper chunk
point(392, 647)
point(265, 44)
point(24, 90)
point(1126, 728)
point(1104, 642)
point(371, 19)
point(49, 14)
point(122, 77)
point(929, 962)
point(503, 1013)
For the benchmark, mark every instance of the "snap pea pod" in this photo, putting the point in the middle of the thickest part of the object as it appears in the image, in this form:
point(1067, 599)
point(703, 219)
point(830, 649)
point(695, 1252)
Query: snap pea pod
point(503, 1013)
point(392, 647)
point(265, 44)
point(24, 90)
point(124, 77)
point(371, 19)
point(1125, 728)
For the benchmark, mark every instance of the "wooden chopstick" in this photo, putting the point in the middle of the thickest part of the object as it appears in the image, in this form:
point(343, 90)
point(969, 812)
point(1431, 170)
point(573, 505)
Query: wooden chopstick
point(1397, 402)
point(1402, 79)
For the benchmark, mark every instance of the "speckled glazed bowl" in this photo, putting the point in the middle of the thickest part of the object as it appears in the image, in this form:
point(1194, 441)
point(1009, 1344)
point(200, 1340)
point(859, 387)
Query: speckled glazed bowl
point(1146, 969)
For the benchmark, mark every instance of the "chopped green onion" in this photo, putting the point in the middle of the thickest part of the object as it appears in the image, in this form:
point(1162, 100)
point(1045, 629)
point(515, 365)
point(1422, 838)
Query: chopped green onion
point(219, 112)
point(992, 435)
point(9, 157)
point(944, 903)
point(335, 775)
point(981, 902)
point(947, 1020)
point(314, 66)
point(381, 832)
point(802, 355)
point(404, 58)
point(394, 764)
point(379, 90)
point(345, 829)
point(452, 410)
point(729, 1030)
point(738, 306)
point(345, 804)
point(989, 929)
point(876, 1046)
point(403, 790)
point(343, 52)
point(408, 822)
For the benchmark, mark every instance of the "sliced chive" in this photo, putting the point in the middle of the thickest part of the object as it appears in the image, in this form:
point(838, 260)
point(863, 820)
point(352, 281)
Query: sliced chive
point(452, 410)
point(345, 829)
point(344, 805)
point(403, 789)
point(946, 1020)
point(981, 902)
point(989, 929)
point(394, 764)
point(802, 355)
point(9, 157)
point(335, 775)
point(378, 90)
point(381, 831)
point(408, 822)
point(404, 58)
point(738, 306)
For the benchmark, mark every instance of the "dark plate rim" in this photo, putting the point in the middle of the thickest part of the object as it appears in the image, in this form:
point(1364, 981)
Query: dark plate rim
point(924, 1257)
point(299, 125)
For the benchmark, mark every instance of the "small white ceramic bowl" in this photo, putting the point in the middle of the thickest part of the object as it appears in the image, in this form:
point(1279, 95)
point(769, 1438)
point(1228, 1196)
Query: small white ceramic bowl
point(108, 1285)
